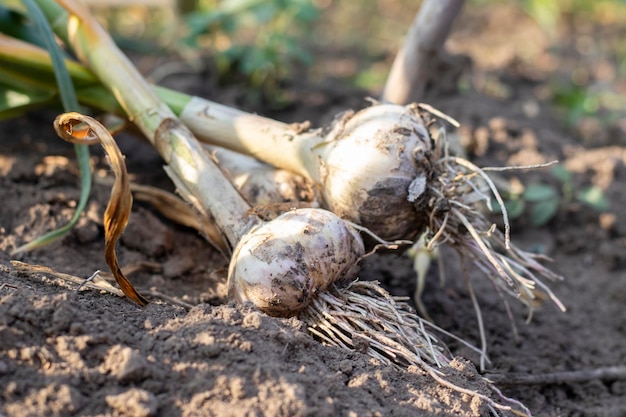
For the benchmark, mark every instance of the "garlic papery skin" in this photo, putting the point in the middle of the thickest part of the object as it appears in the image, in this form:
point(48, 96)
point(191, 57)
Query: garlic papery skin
point(282, 264)
point(367, 164)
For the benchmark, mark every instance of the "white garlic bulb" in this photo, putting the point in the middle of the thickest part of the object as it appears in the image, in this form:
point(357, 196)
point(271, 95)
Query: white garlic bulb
point(281, 264)
point(367, 164)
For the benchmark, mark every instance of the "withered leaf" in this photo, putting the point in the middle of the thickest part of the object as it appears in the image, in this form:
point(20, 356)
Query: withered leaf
point(81, 129)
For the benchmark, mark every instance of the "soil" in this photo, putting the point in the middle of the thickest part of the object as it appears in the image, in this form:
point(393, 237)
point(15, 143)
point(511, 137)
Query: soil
point(67, 352)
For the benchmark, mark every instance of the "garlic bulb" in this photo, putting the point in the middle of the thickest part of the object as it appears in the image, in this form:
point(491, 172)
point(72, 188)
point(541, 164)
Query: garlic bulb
point(282, 264)
point(367, 165)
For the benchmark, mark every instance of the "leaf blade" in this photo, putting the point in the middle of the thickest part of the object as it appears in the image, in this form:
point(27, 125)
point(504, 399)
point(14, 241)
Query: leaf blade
point(70, 103)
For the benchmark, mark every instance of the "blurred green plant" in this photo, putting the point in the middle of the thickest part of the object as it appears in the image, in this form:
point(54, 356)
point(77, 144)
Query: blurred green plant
point(255, 41)
point(588, 96)
point(541, 202)
point(549, 13)
point(576, 101)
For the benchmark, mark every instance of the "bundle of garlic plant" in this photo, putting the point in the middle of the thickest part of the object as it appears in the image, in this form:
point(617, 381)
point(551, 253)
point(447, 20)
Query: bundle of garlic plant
point(378, 167)
point(381, 168)
point(302, 263)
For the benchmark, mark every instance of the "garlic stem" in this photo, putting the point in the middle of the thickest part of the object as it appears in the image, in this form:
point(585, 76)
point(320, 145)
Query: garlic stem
point(271, 141)
point(197, 175)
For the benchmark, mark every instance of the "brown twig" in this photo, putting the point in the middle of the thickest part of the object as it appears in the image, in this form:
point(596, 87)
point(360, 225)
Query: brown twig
point(564, 377)
point(29, 269)
point(5, 285)
point(97, 281)
point(171, 300)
